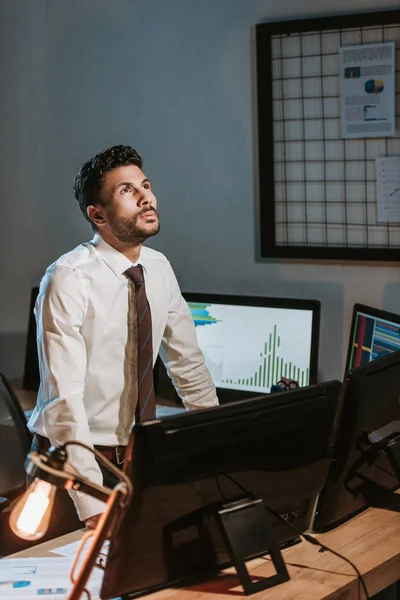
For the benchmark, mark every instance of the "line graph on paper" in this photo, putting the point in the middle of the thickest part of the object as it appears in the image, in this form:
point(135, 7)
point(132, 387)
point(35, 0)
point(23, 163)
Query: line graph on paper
point(388, 188)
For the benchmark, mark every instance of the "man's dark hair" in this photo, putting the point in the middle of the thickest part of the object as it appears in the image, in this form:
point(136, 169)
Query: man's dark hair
point(89, 181)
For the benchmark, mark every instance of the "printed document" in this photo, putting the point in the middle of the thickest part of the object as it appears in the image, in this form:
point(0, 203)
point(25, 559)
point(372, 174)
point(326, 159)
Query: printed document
point(367, 90)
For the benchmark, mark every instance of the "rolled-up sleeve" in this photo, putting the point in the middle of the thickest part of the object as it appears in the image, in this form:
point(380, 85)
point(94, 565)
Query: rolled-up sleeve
point(60, 310)
point(182, 356)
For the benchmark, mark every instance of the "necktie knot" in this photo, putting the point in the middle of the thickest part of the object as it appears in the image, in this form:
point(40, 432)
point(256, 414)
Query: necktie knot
point(135, 274)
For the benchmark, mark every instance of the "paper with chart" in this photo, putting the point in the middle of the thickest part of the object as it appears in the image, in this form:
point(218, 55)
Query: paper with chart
point(367, 90)
point(30, 578)
point(388, 188)
point(34, 578)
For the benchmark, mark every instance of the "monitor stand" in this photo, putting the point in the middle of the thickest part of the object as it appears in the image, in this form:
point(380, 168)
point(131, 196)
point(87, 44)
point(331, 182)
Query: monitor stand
point(375, 494)
point(247, 529)
point(247, 532)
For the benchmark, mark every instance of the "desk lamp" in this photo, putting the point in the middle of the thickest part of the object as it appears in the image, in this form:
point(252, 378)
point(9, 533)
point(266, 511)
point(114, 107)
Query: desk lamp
point(49, 470)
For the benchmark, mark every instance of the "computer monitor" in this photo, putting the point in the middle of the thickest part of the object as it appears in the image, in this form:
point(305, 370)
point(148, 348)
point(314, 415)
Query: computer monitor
point(250, 343)
point(31, 377)
point(274, 447)
point(373, 334)
point(364, 469)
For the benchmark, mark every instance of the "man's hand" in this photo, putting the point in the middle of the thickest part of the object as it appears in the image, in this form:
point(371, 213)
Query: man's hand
point(91, 522)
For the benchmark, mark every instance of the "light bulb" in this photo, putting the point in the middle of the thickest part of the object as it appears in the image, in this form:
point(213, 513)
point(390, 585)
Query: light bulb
point(30, 517)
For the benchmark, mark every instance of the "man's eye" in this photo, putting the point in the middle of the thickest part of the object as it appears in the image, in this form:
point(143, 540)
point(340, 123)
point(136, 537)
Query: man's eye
point(124, 190)
point(146, 186)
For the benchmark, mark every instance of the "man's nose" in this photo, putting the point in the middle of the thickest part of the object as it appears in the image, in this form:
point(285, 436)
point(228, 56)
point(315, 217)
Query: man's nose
point(144, 199)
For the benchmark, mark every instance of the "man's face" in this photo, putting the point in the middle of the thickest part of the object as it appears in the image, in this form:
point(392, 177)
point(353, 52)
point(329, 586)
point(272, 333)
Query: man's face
point(129, 206)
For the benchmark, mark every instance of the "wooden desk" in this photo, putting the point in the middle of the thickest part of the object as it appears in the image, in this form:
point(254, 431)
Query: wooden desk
point(371, 540)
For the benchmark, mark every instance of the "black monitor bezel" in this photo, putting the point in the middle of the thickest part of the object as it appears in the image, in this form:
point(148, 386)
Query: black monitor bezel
point(343, 448)
point(272, 302)
point(297, 399)
point(373, 312)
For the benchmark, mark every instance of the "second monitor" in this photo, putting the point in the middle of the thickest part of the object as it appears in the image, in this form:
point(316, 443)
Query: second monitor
point(366, 456)
point(250, 343)
point(374, 333)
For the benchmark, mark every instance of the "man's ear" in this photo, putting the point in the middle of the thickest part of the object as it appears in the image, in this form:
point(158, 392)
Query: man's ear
point(95, 214)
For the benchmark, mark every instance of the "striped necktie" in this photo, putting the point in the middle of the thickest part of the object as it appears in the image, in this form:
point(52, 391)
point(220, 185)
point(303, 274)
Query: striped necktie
point(146, 404)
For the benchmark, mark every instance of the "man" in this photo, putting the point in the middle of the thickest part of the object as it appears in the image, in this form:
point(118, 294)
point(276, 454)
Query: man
point(87, 325)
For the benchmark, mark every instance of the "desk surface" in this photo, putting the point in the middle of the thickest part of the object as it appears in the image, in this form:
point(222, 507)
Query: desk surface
point(370, 540)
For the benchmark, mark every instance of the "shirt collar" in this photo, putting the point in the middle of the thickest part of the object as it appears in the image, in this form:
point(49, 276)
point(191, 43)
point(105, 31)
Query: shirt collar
point(117, 262)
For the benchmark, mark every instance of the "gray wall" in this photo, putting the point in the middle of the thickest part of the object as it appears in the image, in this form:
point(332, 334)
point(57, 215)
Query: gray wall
point(175, 79)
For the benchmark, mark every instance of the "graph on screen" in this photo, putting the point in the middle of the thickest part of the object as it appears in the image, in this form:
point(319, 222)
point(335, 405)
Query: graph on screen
point(253, 347)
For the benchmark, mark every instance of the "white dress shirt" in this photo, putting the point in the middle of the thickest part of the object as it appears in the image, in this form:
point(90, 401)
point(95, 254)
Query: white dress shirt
point(82, 313)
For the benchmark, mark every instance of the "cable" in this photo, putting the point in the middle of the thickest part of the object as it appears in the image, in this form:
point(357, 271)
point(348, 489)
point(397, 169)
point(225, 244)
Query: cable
point(238, 485)
point(312, 540)
point(219, 488)
point(309, 538)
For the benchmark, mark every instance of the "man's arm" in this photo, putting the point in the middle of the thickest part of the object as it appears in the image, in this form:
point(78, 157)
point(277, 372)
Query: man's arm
point(182, 356)
point(60, 310)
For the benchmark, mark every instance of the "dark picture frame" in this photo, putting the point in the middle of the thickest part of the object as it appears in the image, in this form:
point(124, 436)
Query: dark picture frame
point(270, 244)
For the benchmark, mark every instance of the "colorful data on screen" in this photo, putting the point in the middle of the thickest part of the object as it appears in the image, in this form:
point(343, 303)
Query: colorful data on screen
point(372, 338)
point(252, 347)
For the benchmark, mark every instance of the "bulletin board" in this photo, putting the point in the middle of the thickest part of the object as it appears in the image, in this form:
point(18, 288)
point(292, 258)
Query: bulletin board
point(317, 190)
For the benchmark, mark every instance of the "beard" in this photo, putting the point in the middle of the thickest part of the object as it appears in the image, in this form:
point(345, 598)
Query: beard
point(129, 231)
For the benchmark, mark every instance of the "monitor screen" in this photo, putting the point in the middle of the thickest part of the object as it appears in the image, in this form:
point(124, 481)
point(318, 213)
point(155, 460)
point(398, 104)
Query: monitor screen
point(373, 334)
point(250, 343)
point(366, 444)
point(275, 448)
